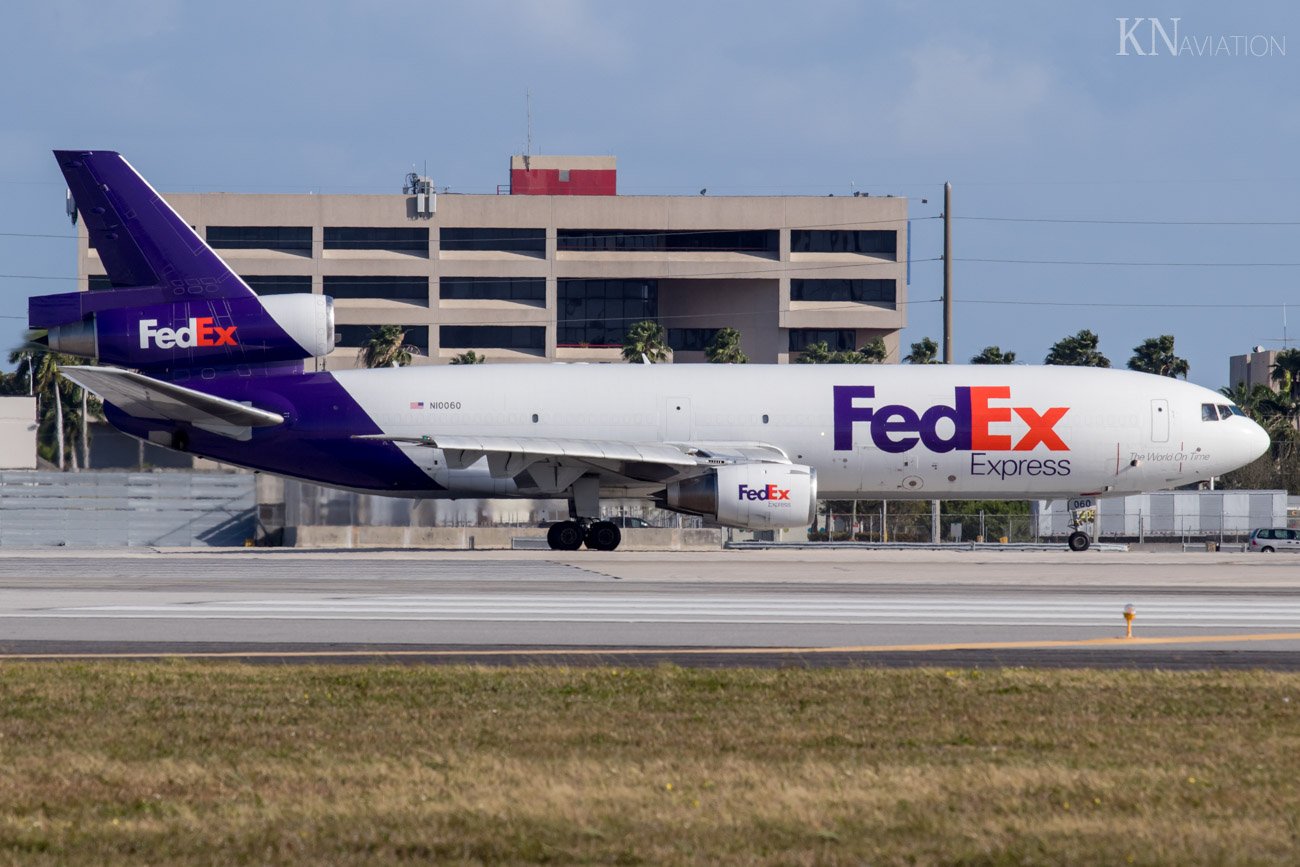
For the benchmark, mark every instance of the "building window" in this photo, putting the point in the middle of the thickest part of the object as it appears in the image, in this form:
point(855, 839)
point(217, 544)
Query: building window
point(838, 339)
point(98, 282)
point(276, 284)
point(521, 337)
point(523, 289)
point(528, 241)
point(598, 312)
point(410, 289)
point(870, 242)
point(690, 339)
point(355, 336)
point(857, 291)
point(289, 239)
point(394, 240)
point(634, 240)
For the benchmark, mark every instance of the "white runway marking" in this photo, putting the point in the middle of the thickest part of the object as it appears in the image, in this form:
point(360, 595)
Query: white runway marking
point(1036, 610)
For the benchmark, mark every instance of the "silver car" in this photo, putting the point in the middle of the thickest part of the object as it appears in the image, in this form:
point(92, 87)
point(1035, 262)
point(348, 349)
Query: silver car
point(1270, 539)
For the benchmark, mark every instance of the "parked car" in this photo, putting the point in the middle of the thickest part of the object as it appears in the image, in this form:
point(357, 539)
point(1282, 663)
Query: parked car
point(626, 521)
point(1269, 539)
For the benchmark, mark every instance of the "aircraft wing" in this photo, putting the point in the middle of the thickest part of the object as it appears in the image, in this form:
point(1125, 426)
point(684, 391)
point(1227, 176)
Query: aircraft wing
point(552, 464)
point(145, 397)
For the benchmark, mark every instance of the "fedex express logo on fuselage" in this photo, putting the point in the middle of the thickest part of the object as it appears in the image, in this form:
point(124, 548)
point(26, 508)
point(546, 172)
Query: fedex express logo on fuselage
point(975, 409)
point(201, 331)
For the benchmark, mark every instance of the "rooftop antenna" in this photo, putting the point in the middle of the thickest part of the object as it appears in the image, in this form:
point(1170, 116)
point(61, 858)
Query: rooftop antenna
point(528, 116)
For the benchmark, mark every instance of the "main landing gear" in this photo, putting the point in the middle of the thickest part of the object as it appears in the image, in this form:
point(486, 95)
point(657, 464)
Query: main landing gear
point(582, 526)
point(571, 535)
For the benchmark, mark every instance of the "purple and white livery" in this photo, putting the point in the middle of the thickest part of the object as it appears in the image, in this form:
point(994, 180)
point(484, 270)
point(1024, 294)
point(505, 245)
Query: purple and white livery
point(200, 363)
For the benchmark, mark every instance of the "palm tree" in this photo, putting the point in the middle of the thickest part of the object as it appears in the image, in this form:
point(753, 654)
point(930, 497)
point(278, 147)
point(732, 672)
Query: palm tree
point(468, 357)
point(724, 348)
point(873, 353)
point(386, 346)
point(820, 353)
point(63, 409)
point(815, 353)
point(646, 339)
point(1274, 412)
point(1156, 355)
point(1244, 396)
point(1077, 351)
point(924, 351)
point(993, 355)
point(1286, 372)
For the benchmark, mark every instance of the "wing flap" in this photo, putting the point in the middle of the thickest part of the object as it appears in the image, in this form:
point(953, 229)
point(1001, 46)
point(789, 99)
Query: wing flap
point(145, 397)
point(540, 447)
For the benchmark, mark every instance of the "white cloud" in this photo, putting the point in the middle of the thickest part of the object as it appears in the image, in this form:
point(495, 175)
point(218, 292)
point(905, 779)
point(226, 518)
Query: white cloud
point(575, 29)
point(957, 98)
point(79, 25)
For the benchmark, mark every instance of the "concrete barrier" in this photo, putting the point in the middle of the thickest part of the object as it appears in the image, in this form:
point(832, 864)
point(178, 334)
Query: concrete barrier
point(487, 538)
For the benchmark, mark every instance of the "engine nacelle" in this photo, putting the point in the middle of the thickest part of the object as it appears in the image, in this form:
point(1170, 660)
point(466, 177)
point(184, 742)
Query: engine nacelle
point(307, 318)
point(754, 496)
point(208, 333)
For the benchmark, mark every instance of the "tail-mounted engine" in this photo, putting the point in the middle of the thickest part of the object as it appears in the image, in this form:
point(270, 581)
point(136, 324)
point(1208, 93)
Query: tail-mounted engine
point(210, 333)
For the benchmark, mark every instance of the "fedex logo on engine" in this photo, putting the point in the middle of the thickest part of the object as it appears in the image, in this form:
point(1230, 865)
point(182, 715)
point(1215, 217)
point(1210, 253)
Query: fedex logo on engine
point(976, 416)
point(767, 492)
point(201, 331)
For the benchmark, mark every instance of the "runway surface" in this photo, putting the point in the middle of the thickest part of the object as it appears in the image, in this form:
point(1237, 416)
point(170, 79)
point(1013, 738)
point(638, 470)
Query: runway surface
point(711, 608)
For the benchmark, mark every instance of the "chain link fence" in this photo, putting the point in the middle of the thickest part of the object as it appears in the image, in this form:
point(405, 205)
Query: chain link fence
point(1164, 516)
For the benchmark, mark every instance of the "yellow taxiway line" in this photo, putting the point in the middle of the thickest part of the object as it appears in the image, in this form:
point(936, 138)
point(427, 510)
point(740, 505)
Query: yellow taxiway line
point(1107, 643)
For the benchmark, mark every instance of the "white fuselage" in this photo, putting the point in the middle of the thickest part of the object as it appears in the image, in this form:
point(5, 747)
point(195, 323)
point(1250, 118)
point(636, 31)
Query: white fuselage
point(929, 431)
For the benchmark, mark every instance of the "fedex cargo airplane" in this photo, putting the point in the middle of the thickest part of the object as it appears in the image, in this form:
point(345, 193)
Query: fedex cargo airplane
point(195, 361)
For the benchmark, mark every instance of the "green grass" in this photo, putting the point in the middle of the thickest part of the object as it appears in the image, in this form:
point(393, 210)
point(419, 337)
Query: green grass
point(197, 763)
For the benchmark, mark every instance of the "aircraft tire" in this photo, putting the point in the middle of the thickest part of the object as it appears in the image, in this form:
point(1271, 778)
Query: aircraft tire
point(565, 536)
point(603, 536)
point(1078, 541)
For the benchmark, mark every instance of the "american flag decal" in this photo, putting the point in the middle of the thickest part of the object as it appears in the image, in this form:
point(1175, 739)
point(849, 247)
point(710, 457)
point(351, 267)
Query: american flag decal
point(417, 404)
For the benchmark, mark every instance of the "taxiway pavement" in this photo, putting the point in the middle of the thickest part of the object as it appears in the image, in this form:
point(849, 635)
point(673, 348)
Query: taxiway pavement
point(725, 607)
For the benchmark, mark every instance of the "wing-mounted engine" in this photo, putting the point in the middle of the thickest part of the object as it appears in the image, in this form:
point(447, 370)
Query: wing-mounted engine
point(751, 496)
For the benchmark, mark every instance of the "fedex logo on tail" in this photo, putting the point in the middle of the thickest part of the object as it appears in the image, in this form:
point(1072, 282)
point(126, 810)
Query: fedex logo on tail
point(976, 414)
point(201, 331)
point(767, 492)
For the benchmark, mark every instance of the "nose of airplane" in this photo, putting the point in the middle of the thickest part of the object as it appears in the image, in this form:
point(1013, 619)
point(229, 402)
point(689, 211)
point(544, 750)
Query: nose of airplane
point(1254, 441)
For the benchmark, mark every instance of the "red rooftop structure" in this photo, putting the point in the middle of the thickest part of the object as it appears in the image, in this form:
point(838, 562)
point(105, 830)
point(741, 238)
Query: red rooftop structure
point(563, 176)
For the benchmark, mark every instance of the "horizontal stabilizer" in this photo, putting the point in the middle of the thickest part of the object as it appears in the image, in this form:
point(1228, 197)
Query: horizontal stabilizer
point(144, 397)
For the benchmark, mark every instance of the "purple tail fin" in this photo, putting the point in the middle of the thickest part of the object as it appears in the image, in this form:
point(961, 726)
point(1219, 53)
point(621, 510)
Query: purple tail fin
point(174, 304)
point(140, 239)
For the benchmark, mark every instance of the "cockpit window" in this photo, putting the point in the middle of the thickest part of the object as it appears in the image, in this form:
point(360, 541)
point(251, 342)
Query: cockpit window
point(1236, 410)
point(1224, 411)
point(1208, 412)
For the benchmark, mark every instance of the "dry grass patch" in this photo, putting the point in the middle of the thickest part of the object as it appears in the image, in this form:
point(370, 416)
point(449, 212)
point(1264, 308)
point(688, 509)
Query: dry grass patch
point(220, 763)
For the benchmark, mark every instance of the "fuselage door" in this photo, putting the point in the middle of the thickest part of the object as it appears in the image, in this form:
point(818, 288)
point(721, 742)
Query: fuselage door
point(677, 419)
point(1160, 421)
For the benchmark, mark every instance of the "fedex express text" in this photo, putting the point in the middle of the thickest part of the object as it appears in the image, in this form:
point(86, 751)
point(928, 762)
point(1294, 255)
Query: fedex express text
point(975, 410)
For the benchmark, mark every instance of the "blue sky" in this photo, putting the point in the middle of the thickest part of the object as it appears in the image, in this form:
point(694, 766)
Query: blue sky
point(1179, 161)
